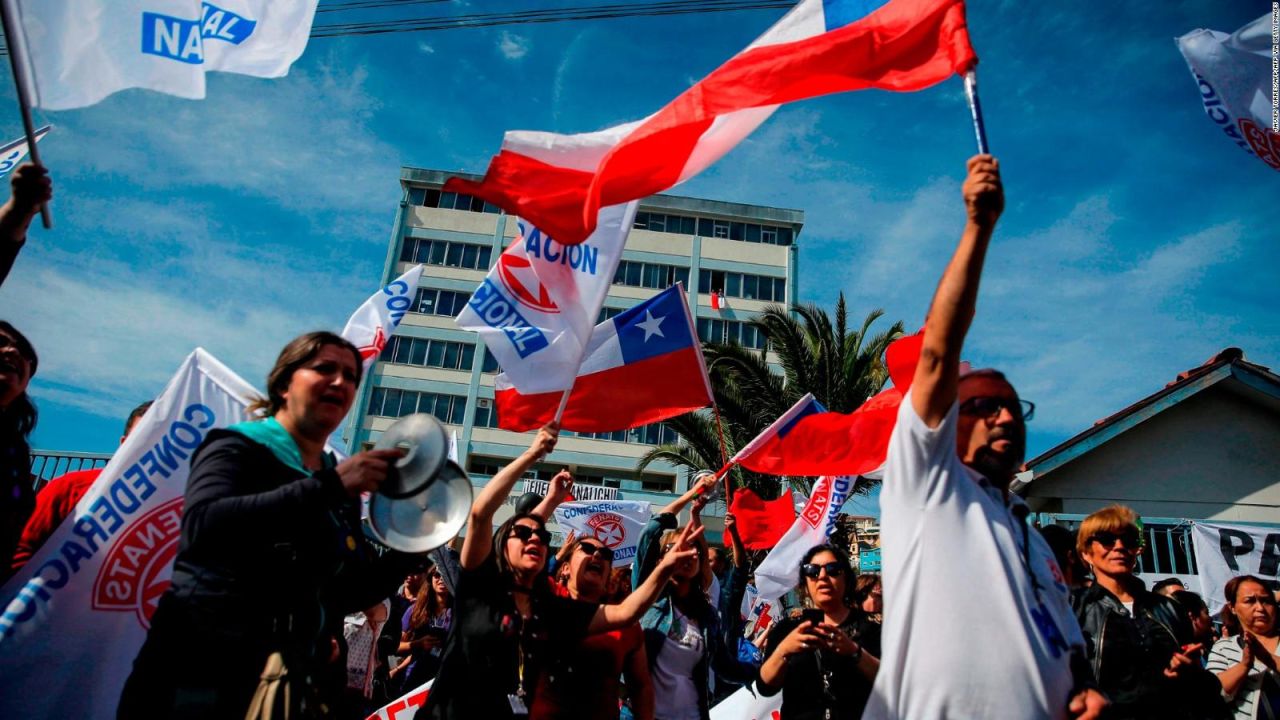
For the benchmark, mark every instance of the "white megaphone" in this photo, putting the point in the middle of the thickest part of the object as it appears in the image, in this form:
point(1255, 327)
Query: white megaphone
point(426, 497)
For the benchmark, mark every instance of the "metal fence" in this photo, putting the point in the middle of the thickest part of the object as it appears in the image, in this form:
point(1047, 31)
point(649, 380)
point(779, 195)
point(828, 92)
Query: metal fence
point(49, 464)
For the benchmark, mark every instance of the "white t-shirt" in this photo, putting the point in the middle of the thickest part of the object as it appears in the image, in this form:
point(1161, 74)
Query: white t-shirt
point(675, 696)
point(961, 637)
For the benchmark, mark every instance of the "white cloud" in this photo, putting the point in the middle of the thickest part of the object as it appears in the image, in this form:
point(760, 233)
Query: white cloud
point(513, 46)
point(425, 49)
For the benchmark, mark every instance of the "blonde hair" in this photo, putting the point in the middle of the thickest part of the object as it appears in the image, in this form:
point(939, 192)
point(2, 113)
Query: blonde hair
point(1112, 519)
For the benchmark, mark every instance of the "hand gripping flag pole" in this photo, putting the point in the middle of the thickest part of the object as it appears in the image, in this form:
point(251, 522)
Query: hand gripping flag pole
point(975, 109)
point(18, 62)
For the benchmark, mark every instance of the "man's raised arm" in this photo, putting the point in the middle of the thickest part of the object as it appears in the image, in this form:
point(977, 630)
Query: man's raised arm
point(934, 388)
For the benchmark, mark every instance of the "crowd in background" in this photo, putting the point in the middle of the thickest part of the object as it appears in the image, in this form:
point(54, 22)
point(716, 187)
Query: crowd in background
point(274, 566)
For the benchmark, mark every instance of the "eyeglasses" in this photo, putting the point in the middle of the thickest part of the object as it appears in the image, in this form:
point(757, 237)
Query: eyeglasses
point(524, 532)
point(600, 551)
point(989, 407)
point(1132, 540)
point(812, 571)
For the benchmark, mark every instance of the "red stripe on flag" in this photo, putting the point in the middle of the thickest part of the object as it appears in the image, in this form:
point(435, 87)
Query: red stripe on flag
point(762, 523)
point(904, 45)
point(619, 398)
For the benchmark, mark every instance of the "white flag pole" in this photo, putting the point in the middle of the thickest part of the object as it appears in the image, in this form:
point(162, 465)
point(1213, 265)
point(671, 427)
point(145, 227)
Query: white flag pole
point(975, 109)
point(18, 61)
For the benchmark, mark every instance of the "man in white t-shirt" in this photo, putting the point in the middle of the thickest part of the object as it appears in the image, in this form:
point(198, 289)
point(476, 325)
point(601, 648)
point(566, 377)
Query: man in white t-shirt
point(977, 622)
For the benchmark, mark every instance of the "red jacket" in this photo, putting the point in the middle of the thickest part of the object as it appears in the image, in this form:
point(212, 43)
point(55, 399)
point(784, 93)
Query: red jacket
point(54, 503)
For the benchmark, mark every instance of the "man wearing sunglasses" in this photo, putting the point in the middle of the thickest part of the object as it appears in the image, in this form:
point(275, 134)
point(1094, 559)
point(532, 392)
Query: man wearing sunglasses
point(977, 622)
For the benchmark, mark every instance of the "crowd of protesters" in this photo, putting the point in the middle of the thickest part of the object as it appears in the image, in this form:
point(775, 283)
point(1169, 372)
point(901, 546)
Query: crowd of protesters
point(978, 614)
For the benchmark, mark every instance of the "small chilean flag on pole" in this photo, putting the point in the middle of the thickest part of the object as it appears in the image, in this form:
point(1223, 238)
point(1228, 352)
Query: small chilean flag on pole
point(560, 182)
point(643, 366)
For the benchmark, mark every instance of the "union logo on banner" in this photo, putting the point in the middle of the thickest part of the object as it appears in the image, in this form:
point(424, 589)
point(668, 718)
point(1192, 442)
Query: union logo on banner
point(520, 280)
point(815, 511)
point(608, 528)
point(129, 578)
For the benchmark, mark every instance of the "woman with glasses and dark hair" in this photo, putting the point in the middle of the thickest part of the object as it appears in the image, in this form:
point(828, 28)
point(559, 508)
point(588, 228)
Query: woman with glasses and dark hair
point(272, 555)
point(1140, 644)
point(17, 419)
point(685, 638)
point(584, 681)
point(824, 661)
point(509, 626)
point(1247, 664)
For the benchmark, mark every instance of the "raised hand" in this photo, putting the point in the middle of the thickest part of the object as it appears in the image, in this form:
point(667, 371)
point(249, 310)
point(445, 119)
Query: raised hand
point(544, 442)
point(983, 192)
point(561, 486)
point(683, 549)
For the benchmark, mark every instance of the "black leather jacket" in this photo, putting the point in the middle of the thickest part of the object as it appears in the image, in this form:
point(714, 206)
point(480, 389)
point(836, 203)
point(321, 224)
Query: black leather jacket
point(1129, 653)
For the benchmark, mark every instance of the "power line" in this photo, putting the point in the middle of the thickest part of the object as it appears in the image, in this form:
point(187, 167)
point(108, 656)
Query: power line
point(435, 23)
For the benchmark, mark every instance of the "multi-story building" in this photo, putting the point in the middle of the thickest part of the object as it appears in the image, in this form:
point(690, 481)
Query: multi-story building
point(745, 254)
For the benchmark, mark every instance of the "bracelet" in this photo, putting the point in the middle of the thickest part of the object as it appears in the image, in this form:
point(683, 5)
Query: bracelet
point(857, 656)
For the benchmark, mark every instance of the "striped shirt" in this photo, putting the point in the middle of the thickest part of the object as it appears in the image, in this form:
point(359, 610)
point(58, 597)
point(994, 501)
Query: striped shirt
point(1259, 697)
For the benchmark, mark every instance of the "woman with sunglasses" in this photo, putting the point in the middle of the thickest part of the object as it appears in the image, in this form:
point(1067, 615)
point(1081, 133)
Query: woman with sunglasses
point(817, 659)
point(685, 640)
point(1246, 664)
point(583, 683)
point(509, 626)
point(1140, 644)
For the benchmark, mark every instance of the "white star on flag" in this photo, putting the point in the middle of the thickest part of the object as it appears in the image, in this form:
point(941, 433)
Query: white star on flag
point(651, 325)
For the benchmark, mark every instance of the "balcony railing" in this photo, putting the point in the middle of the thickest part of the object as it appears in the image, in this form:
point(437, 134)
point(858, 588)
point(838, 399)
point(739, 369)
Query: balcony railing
point(49, 464)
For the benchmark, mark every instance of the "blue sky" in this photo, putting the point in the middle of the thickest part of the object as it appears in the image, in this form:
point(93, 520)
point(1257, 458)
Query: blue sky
point(1137, 241)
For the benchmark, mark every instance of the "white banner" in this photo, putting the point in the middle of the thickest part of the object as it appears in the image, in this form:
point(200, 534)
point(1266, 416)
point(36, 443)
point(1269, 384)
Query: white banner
point(616, 523)
point(1225, 551)
point(77, 613)
point(11, 155)
point(745, 704)
point(406, 706)
point(81, 51)
point(539, 304)
point(1234, 75)
point(777, 574)
point(371, 326)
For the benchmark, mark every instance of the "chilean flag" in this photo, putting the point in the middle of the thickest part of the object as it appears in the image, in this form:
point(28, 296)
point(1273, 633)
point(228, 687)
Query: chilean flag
point(642, 366)
point(808, 440)
point(559, 182)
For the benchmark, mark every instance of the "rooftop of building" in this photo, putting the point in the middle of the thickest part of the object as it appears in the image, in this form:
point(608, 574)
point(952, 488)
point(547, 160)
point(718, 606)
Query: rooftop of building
point(674, 203)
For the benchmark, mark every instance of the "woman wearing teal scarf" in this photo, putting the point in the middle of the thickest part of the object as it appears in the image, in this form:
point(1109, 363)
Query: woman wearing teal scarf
point(272, 556)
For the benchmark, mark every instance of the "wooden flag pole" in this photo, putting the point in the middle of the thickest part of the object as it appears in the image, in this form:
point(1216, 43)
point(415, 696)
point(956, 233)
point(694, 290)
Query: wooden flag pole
point(17, 61)
point(975, 109)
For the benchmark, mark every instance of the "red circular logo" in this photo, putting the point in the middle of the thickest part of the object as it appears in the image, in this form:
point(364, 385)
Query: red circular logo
point(518, 277)
point(135, 572)
point(608, 529)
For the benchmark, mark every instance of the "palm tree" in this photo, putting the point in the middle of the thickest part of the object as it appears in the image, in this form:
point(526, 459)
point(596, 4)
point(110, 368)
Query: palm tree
point(817, 355)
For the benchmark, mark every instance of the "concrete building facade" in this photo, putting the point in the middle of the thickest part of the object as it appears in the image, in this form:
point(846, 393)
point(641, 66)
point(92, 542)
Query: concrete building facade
point(747, 254)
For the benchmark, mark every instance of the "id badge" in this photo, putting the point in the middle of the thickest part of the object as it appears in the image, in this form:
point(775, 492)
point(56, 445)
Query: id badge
point(517, 705)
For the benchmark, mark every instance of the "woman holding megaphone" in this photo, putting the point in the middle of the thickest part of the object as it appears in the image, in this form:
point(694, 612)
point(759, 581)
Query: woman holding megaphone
point(509, 625)
point(271, 555)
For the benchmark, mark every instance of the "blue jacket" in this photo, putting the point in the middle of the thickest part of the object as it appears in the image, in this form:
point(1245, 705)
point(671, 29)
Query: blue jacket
point(719, 638)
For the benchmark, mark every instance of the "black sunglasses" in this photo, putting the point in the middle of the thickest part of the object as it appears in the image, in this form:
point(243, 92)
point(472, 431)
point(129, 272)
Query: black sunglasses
point(1132, 540)
point(811, 571)
point(600, 551)
point(989, 407)
point(524, 532)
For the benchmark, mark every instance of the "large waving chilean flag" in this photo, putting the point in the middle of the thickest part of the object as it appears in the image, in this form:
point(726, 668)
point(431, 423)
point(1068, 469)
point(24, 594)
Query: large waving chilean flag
point(560, 182)
point(642, 366)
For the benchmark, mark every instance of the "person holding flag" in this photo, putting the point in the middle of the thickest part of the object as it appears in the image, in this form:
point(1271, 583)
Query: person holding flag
point(272, 555)
point(949, 521)
point(31, 189)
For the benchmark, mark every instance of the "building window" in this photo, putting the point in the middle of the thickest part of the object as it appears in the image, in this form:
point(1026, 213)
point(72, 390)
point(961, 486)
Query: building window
point(720, 229)
point(436, 198)
point(430, 301)
point(446, 253)
point(394, 403)
point(649, 275)
point(654, 434)
point(424, 352)
point(743, 285)
point(725, 331)
point(607, 313)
